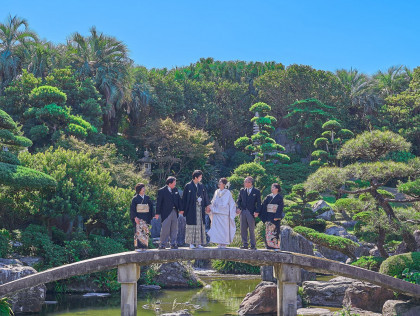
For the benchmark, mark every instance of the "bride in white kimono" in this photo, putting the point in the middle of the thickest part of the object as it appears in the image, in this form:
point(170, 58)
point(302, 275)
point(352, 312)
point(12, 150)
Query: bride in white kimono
point(222, 215)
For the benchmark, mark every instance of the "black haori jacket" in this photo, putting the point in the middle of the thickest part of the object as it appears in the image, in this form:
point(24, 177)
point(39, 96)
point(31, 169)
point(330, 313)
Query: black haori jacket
point(189, 198)
point(137, 199)
point(264, 215)
point(167, 201)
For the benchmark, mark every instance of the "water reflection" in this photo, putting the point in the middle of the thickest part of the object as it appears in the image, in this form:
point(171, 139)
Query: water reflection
point(219, 297)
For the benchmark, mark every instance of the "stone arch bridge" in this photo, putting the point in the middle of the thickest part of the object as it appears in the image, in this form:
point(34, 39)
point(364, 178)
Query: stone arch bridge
point(287, 267)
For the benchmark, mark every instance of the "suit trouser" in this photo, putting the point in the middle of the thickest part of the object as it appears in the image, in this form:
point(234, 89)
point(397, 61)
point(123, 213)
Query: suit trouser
point(169, 229)
point(247, 222)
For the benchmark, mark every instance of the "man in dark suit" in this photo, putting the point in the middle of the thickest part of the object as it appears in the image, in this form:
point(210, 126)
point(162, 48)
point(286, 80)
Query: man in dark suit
point(249, 205)
point(167, 206)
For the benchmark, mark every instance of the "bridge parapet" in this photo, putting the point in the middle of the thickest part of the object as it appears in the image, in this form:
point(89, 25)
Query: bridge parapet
point(128, 264)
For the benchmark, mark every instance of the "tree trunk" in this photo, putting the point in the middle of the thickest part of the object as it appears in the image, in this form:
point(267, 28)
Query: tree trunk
point(381, 242)
point(395, 223)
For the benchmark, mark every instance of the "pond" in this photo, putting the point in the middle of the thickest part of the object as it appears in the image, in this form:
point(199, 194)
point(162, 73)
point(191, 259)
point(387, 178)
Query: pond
point(222, 296)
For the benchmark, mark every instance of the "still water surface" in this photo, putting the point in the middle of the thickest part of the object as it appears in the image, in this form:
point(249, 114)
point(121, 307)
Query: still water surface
point(221, 296)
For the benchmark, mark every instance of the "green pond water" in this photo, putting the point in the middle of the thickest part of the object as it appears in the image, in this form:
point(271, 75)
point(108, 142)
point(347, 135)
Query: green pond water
point(221, 296)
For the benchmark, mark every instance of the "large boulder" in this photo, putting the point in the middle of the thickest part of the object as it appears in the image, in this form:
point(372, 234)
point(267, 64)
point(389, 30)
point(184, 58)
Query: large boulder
point(366, 296)
point(328, 213)
point(340, 231)
point(294, 242)
point(401, 308)
point(330, 293)
point(175, 275)
point(332, 254)
point(263, 300)
point(27, 301)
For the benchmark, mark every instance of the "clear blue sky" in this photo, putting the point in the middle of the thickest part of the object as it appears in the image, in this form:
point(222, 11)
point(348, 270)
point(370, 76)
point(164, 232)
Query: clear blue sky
point(366, 35)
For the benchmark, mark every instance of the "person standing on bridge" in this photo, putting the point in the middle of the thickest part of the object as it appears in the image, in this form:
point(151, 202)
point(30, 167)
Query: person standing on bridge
point(195, 203)
point(271, 214)
point(167, 206)
point(249, 204)
point(223, 212)
point(141, 212)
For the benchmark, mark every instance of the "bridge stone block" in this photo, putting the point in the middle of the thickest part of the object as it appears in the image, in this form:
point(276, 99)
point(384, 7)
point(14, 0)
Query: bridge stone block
point(287, 278)
point(128, 274)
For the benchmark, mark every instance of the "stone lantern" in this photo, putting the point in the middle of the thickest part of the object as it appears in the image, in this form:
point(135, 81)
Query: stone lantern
point(146, 164)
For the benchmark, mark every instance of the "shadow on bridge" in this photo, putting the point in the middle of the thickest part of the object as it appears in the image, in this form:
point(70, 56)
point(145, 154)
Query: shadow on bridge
point(286, 265)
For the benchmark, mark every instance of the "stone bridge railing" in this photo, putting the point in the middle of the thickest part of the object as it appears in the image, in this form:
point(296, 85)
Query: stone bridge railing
point(286, 267)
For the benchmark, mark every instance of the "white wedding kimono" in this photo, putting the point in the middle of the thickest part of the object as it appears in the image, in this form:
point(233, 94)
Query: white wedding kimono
point(223, 212)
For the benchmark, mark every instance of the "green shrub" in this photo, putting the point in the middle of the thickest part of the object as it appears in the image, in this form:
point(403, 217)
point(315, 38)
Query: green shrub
point(395, 265)
point(39, 132)
point(233, 267)
point(369, 262)
point(77, 130)
point(411, 276)
point(102, 246)
point(44, 95)
point(36, 241)
point(348, 205)
point(22, 177)
point(343, 245)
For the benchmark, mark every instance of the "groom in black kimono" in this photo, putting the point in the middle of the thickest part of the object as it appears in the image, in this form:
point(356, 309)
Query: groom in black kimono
point(195, 202)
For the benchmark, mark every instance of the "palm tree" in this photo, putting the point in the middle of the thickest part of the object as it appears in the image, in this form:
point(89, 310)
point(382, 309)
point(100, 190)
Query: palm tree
point(359, 87)
point(42, 57)
point(105, 60)
point(15, 38)
point(393, 81)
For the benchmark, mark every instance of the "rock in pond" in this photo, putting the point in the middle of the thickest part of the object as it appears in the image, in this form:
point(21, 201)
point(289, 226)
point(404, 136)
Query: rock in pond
point(27, 301)
point(174, 275)
point(330, 293)
point(401, 308)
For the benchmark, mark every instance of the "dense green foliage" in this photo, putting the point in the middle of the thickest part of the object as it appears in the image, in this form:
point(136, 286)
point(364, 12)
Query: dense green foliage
point(260, 144)
point(367, 149)
point(299, 213)
point(395, 265)
point(327, 145)
point(369, 262)
point(87, 114)
point(232, 267)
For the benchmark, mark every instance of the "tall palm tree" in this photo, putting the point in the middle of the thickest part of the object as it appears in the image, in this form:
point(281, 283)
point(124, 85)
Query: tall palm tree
point(364, 101)
point(15, 38)
point(106, 61)
point(393, 81)
point(42, 57)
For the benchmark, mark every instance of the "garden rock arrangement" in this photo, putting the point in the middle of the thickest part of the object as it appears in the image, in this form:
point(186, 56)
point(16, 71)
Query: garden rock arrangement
point(294, 242)
point(174, 275)
point(329, 293)
point(263, 300)
point(366, 296)
point(401, 308)
point(27, 301)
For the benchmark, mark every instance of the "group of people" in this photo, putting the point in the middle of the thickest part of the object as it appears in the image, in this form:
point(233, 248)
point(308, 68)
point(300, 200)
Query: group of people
point(195, 204)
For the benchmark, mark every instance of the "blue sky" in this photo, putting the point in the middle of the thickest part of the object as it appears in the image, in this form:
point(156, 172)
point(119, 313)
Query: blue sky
point(366, 35)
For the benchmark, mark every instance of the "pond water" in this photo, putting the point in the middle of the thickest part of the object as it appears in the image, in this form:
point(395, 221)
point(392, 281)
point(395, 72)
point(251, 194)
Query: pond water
point(222, 296)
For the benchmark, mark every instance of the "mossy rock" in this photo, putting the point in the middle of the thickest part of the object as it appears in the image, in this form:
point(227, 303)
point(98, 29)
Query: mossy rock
point(395, 265)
